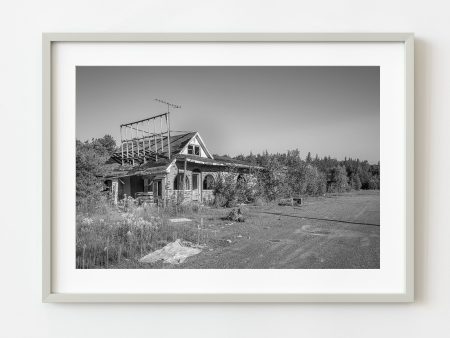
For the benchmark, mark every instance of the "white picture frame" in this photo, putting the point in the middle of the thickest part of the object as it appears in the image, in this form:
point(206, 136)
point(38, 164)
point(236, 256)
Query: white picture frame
point(49, 294)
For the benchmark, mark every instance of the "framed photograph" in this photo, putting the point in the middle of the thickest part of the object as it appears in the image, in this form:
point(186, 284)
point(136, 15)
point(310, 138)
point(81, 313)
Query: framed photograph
point(228, 167)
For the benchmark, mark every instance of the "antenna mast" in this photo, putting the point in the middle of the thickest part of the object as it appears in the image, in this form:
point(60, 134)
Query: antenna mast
point(169, 105)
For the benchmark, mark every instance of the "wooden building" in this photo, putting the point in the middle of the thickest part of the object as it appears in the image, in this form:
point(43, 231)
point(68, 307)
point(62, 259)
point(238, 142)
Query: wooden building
point(157, 164)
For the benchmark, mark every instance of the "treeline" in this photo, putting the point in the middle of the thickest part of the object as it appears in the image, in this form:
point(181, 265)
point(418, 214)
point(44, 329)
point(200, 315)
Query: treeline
point(284, 175)
point(287, 174)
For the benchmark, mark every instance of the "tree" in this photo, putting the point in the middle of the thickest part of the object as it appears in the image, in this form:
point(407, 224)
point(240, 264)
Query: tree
point(314, 182)
point(308, 158)
point(251, 159)
point(374, 183)
point(90, 159)
point(355, 181)
point(339, 181)
point(272, 182)
point(108, 143)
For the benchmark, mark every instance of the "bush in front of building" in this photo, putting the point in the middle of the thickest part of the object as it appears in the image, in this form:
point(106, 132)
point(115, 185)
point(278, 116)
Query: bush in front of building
point(231, 188)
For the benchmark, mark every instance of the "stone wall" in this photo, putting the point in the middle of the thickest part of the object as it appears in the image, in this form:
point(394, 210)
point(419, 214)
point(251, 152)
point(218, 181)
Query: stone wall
point(206, 196)
point(168, 192)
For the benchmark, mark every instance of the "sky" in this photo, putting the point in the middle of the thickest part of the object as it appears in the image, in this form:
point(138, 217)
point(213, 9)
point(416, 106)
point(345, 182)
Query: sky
point(329, 111)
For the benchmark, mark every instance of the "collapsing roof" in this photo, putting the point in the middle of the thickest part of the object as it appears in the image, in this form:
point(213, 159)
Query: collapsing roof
point(152, 147)
point(148, 162)
point(149, 146)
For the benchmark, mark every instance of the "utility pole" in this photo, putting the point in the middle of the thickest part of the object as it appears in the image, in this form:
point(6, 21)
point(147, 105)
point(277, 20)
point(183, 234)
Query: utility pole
point(168, 121)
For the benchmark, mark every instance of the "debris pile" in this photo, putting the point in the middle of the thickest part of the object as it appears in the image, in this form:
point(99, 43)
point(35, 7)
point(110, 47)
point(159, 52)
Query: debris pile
point(173, 253)
point(235, 215)
point(286, 202)
point(296, 201)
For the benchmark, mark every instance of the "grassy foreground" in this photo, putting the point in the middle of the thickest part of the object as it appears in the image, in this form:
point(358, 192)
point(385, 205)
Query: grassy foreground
point(335, 231)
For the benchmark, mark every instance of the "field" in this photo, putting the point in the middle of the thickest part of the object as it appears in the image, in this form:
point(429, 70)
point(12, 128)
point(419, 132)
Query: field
point(339, 231)
point(329, 232)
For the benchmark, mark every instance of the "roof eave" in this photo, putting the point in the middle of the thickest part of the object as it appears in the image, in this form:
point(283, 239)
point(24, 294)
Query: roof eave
point(221, 164)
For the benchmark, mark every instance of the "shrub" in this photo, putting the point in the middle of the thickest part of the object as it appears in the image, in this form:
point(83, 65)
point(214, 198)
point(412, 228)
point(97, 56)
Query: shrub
point(219, 200)
point(272, 181)
point(225, 193)
point(374, 183)
point(260, 201)
point(90, 159)
point(231, 189)
point(339, 181)
point(306, 179)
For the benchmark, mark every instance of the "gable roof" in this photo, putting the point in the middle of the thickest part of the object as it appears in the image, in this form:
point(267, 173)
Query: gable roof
point(178, 143)
point(201, 142)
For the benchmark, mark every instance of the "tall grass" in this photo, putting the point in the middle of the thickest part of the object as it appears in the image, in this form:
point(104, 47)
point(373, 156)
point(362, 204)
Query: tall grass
point(110, 236)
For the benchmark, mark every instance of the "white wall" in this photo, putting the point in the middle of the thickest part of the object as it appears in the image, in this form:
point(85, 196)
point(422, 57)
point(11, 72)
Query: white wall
point(23, 315)
point(197, 143)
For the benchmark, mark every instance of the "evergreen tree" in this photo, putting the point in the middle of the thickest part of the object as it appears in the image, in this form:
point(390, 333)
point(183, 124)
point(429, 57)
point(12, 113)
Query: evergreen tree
point(308, 158)
point(355, 181)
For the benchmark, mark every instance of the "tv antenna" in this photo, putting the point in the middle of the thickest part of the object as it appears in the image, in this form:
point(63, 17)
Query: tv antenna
point(169, 105)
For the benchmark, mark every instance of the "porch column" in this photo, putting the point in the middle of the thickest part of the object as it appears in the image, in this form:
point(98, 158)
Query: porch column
point(115, 190)
point(200, 187)
point(184, 175)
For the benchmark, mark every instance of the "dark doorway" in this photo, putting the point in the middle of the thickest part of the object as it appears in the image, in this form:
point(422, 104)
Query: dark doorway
point(136, 185)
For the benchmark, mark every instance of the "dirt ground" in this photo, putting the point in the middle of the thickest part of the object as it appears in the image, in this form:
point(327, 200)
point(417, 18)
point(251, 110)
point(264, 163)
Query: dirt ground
point(333, 232)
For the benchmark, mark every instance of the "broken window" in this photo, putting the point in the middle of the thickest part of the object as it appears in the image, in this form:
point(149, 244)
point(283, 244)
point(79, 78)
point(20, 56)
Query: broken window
point(177, 183)
point(193, 149)
point(157, 188)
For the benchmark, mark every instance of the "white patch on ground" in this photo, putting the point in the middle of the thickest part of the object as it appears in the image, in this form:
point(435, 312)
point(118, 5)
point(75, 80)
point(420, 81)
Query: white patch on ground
point(365, 241)
point(179, 220)
point(173, 253)
point(306, 227)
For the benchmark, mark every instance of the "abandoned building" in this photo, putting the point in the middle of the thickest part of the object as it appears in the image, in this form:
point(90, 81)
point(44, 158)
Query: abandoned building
point(158, 165)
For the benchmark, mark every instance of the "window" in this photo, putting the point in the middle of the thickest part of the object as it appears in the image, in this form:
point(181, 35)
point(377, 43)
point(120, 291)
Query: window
point(157, 188)
point(177, 183)
point(208, 182)
point(193, 149)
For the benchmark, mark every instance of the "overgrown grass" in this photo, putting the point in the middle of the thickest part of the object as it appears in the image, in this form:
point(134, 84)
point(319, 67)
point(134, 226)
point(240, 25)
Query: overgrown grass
point(109, 236)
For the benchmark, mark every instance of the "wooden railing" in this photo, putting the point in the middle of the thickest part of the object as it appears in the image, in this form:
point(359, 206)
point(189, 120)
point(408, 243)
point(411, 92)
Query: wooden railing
point(145, 197)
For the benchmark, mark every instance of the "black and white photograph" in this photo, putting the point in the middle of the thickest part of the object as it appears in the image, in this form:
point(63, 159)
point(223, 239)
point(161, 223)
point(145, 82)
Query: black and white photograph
point(227, 167)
